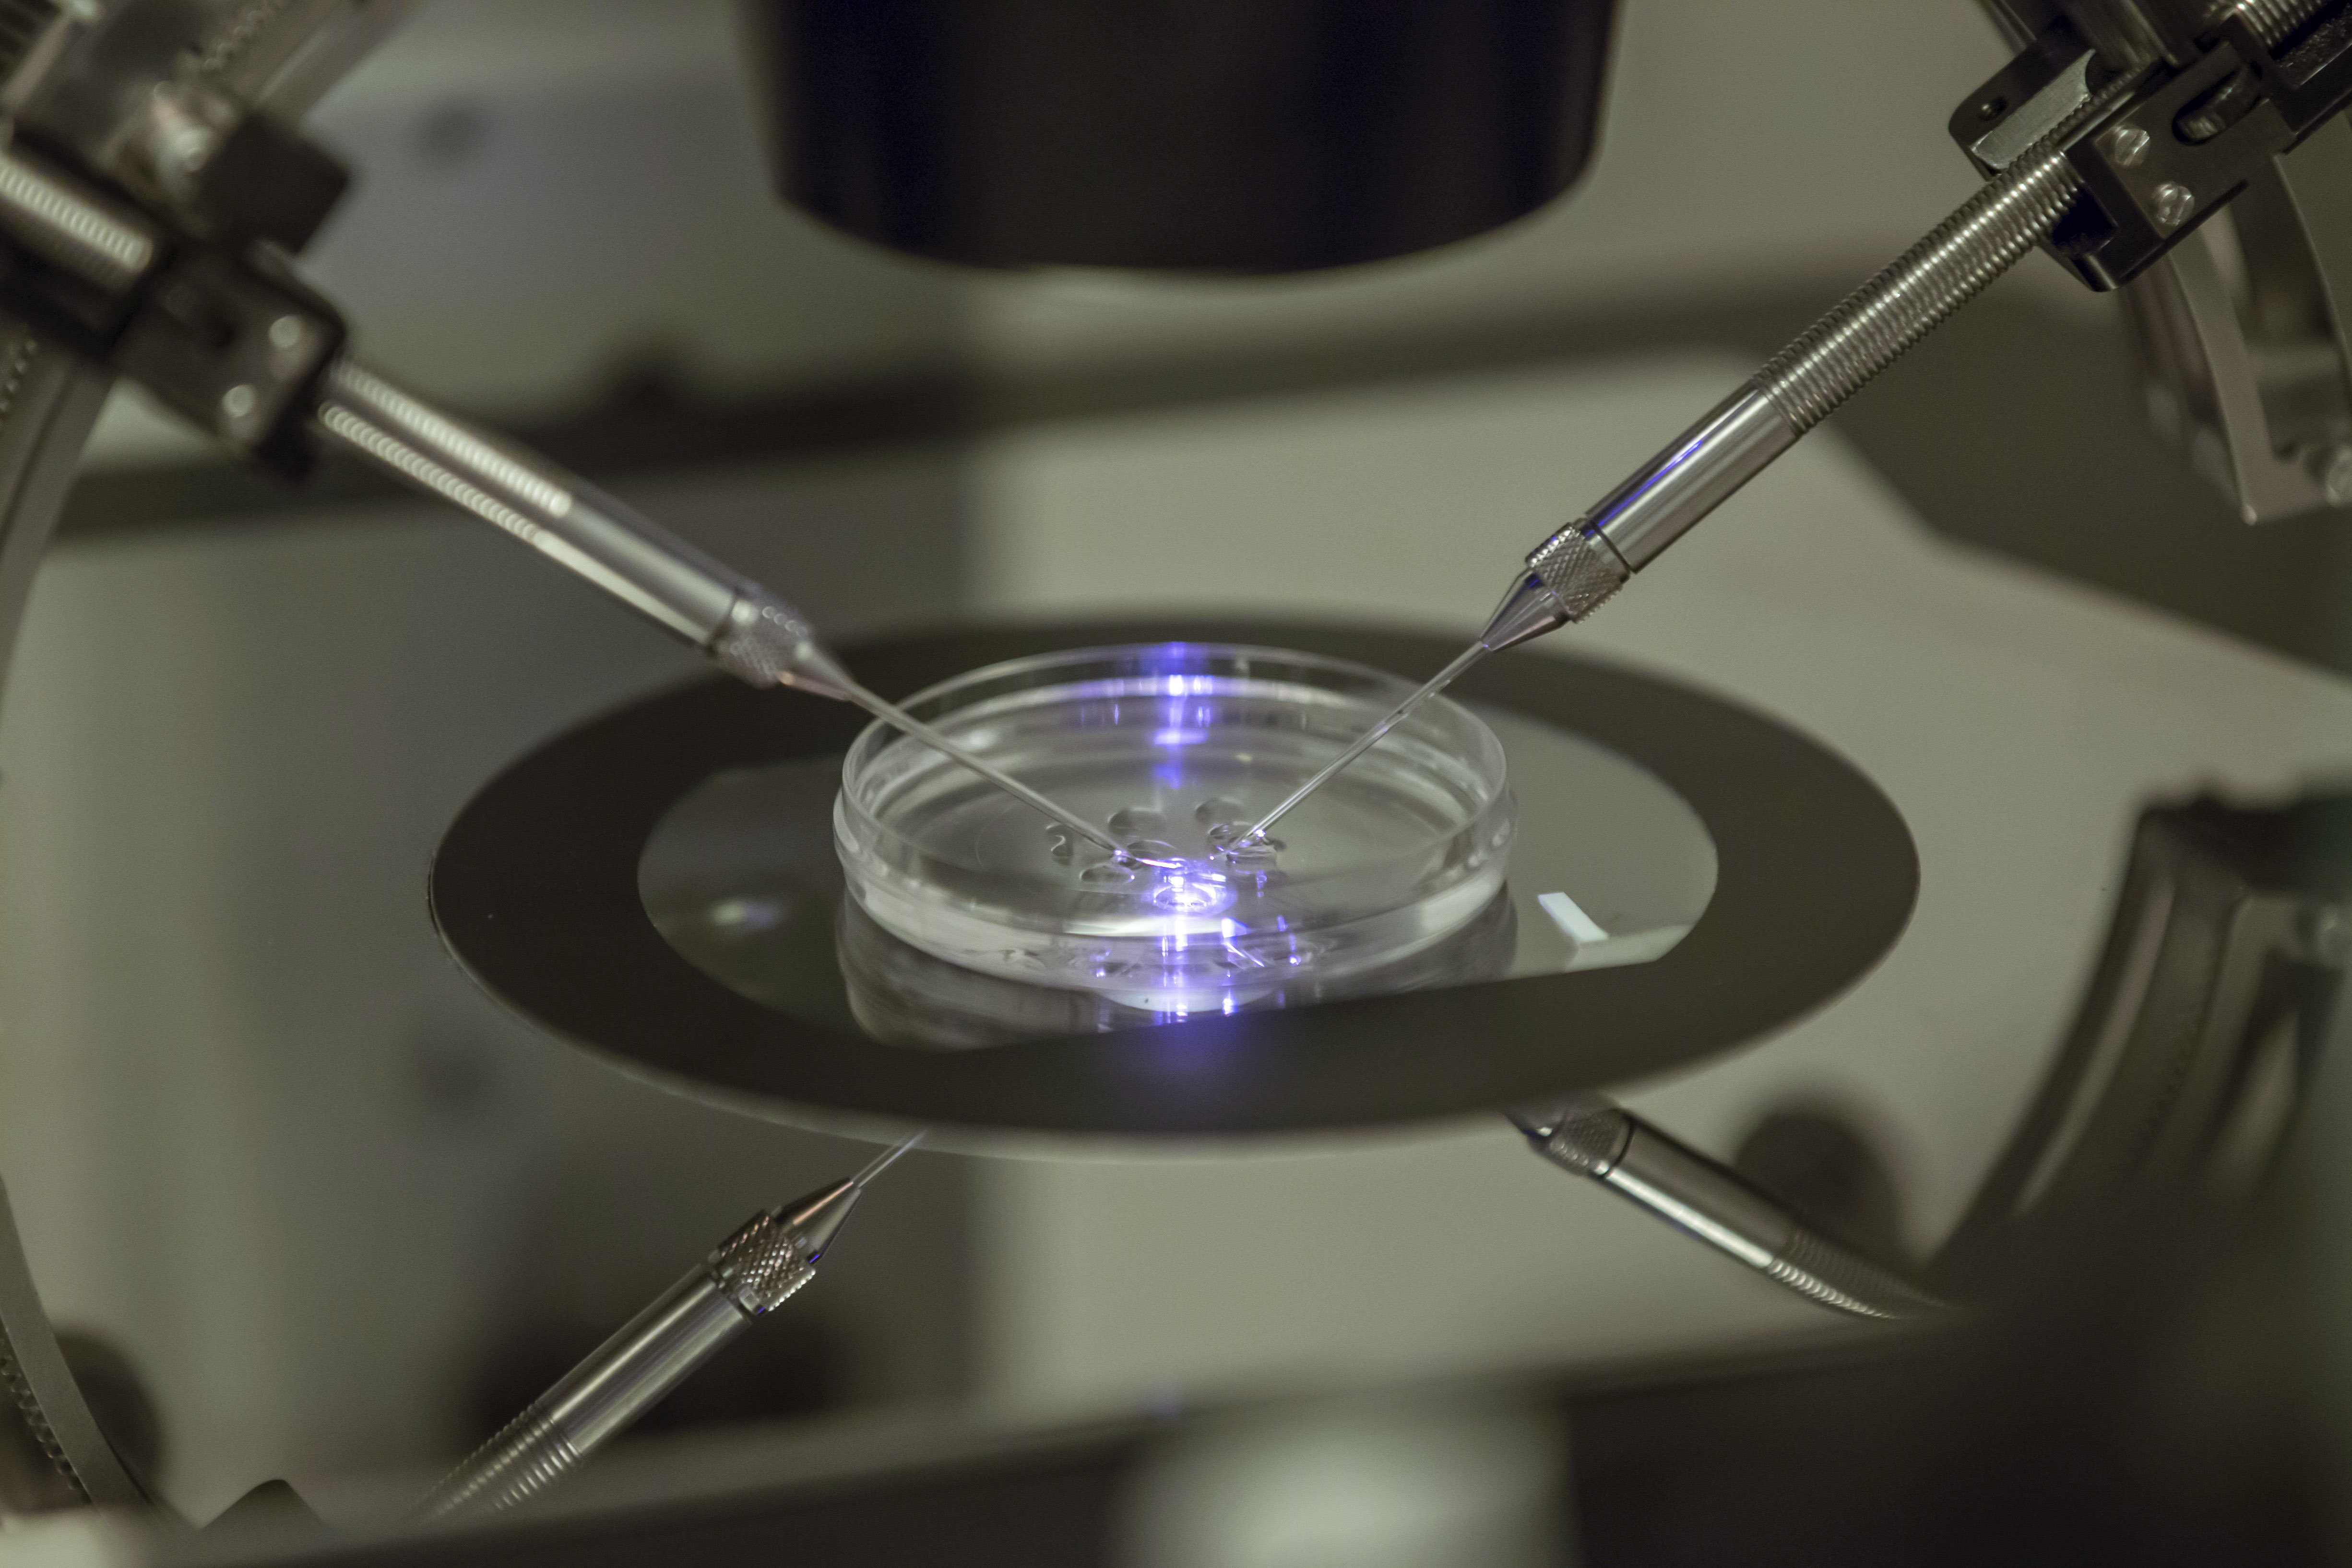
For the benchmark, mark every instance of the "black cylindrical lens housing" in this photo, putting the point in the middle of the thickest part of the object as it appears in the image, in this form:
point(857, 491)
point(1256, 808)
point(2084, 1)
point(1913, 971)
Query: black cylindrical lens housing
point(1217, 135)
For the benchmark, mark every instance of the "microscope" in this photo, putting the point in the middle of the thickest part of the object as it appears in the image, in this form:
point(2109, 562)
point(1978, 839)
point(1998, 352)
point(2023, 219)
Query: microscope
point(156, 191)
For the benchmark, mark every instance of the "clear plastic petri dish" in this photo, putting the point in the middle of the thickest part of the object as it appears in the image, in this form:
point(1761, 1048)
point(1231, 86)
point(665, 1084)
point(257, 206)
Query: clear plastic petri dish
point(1162, 745)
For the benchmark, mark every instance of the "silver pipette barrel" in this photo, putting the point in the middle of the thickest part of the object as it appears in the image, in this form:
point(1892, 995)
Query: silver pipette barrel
point(1595, 1138)
point(741, 626)
point(1575, 570)
point(764, 1264)
point(1571, 574)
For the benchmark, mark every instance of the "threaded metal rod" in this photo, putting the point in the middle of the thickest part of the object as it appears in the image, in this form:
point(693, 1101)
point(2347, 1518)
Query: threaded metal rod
point(1708, 1200)
point(768, 1260)
point(530, 1454)
point(1578, 568)
point(2273, 20)
point(596, 1400)
point(55, 217)
point(1871, 328)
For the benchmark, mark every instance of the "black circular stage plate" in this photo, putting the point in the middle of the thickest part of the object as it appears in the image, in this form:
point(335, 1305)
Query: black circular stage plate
point(536, 890)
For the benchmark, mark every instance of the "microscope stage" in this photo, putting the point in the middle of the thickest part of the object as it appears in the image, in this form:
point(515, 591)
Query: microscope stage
point(661, 885)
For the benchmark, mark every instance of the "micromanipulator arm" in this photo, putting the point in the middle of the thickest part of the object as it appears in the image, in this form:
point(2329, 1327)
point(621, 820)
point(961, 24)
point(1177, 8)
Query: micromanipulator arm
point(1571, 572)
point(223, 336)
point(768, 1260)
point(1703, 1198)
point(2119, 130)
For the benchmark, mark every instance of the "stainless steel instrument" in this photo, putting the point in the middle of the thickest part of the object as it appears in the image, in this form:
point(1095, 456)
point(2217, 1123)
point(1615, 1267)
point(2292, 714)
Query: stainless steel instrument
point(1576, 570)
point(187, 290)
point(768, 1260)
point(2127, 125)
point(742, 628)
point(1705, 1199)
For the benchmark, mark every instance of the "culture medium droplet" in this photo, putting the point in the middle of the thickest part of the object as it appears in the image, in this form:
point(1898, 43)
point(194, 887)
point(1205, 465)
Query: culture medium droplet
point(1137, 822)
point(1220, 811)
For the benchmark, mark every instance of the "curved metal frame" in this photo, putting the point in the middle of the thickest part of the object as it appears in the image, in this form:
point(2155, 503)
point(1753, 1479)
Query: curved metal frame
point(50, 399)
point(2195, 1037)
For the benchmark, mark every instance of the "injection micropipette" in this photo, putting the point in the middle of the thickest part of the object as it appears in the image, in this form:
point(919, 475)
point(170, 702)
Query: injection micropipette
point(742, 628)
point(885, 1160)
point(1571, 572)
point(766, 1262)
point(1367, 739)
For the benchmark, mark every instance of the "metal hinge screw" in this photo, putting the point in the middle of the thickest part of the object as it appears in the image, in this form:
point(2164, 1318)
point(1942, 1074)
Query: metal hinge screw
point(2174, 203)
point(2126, 144)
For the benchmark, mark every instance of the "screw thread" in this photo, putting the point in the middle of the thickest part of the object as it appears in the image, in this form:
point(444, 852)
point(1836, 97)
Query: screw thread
point(528, 1454)
point(1872, 327)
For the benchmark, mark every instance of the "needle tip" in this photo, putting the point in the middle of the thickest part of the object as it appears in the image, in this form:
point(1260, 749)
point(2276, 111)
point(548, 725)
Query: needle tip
point(885, 1160)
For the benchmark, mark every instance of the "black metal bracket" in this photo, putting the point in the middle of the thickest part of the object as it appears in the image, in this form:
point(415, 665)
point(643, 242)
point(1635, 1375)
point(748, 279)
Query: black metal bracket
point(2181, 147)
point(217, 329)
point(230, 341)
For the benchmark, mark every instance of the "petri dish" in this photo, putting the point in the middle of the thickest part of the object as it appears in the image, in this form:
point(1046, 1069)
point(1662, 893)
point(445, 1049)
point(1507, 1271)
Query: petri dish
point(1164, 746)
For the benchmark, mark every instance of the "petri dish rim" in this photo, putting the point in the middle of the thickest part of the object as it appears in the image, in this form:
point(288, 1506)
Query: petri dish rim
point(955, 903)
point(924, 705)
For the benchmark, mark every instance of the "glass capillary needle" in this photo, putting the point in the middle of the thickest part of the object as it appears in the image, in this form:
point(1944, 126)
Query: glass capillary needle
point(898, 718)
point(885, 1160)
point(1574, 571)
point(739, 625)
point(1369, 739)
point(760, 637)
